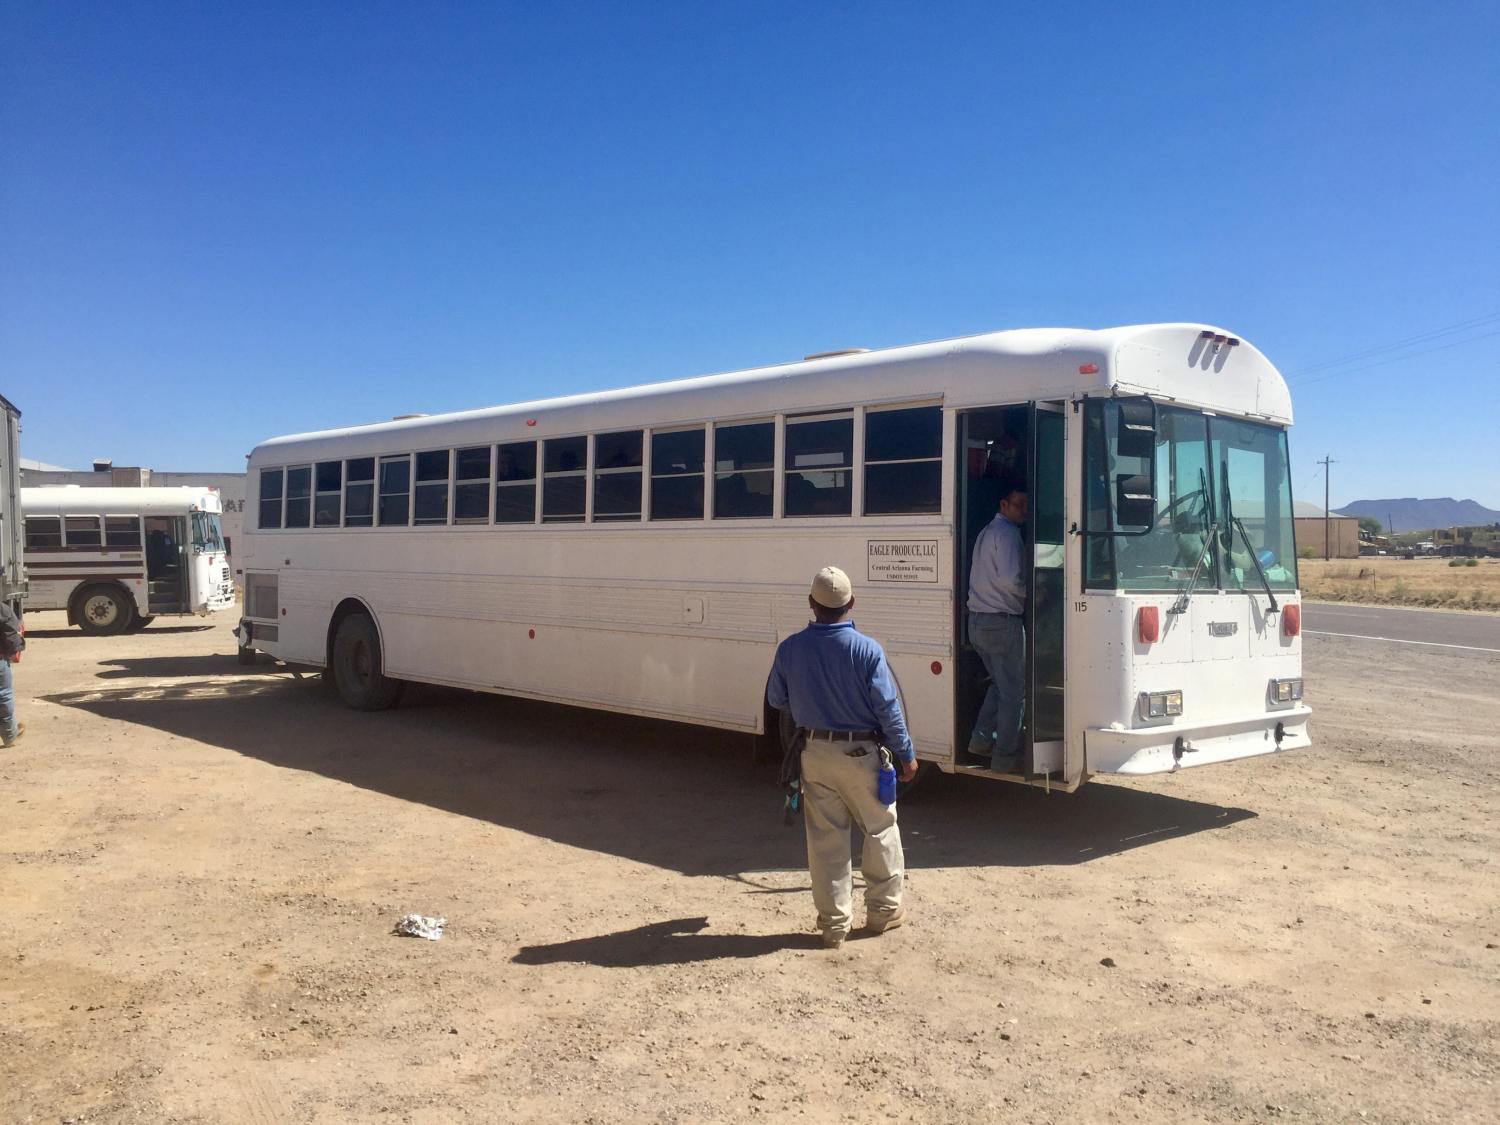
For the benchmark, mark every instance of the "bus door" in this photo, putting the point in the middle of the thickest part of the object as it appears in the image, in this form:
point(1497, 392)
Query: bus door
point(993, 444)
point(166, 564)
point(1024, 442)
point(1043, 737)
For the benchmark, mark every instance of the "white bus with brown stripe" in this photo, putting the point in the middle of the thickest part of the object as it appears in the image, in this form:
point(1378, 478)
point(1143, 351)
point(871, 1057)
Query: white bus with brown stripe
point(115, 558)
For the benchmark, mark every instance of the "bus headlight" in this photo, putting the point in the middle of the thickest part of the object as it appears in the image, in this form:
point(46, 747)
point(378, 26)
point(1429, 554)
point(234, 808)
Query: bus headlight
point(1160, 704)
point(1286, 691)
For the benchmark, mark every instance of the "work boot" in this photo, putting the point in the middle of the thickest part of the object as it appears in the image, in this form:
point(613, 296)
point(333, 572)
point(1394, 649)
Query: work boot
point(20, 730)
point(879, 923)
point(833, 939)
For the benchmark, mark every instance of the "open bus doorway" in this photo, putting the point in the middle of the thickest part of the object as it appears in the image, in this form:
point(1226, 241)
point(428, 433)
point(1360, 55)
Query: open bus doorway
point(166, 564)
point(1021, 443)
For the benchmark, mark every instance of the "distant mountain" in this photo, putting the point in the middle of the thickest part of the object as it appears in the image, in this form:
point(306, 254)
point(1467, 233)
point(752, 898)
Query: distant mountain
point(1411, 514)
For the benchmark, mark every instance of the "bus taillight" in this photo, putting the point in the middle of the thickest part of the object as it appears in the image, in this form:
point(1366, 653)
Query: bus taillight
point(1148, 625)
point(1291, 620)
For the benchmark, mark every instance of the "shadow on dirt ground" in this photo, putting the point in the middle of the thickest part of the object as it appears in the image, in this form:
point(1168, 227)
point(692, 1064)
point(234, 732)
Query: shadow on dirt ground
point(679, 942)
point(175, 667)
point(54, 634)
point(680, 797)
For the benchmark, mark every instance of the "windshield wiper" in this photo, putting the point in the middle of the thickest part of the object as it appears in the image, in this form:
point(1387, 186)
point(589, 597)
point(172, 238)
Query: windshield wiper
point(1181, 604)
point(1249, 546)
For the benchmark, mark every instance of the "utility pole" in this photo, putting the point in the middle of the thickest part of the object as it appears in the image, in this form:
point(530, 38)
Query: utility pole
point(1327, 516)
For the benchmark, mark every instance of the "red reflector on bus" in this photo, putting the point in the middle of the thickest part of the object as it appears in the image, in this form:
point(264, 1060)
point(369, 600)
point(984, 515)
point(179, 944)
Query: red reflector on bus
point(937, 668)
point(531, 634)
point(1149, 624)
point(1291, 620)
point(1088, 369)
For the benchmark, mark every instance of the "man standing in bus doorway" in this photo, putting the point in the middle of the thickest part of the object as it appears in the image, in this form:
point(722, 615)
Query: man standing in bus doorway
point(997, 627)
point(836, 684)
point(12, 641)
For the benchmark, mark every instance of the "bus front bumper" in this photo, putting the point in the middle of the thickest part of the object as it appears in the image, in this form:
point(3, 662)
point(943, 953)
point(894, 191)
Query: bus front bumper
point(1162, 749)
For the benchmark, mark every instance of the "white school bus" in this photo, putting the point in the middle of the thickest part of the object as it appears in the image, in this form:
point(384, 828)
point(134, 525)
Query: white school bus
point(645, 550)
point(115, 558)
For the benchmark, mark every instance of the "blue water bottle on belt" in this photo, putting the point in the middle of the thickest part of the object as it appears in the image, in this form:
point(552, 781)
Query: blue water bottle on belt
point(886, 789)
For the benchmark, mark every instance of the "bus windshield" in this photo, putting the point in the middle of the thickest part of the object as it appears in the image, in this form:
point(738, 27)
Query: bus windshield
point(1223, 502)
point(207, 539)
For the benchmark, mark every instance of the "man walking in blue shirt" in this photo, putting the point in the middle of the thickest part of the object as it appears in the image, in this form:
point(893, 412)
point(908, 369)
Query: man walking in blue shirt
point(836, 684)
point(997, 628)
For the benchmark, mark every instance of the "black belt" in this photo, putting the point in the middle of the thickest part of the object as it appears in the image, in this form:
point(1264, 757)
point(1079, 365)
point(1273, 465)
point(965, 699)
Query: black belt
point(813, 734)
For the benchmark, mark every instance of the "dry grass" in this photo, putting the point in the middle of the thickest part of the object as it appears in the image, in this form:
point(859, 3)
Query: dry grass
point(1395, 581)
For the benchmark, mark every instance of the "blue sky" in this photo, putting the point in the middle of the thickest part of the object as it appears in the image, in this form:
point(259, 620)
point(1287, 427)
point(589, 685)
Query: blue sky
point(221, 223)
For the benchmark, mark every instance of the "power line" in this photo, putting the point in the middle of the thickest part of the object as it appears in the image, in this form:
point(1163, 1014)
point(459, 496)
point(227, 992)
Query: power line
point(1419, 338)
point(1396, 359)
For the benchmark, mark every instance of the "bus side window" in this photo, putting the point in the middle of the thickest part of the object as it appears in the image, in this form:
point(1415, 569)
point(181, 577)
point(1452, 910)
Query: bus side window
point(83, 531)
point(471, 487)
point(395, 490)
point(299, 496)
point(564, 479)
point(359, 492)
point(122, 531)
point(903, 461)
point(43, 532)
point(270, 498)
point(677, 474)
point(744, 470)
point(430, 499)
point(328, 480)
point(617, 476)
point(819, 457)
point(515, 482)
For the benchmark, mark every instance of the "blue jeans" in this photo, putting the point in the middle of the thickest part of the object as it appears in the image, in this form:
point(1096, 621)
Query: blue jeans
point(7, 704)
point(1000, 641)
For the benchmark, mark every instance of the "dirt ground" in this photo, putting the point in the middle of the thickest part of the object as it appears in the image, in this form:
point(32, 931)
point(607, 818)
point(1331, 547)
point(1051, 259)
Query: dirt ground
point(1391, 580)
point(200, 866)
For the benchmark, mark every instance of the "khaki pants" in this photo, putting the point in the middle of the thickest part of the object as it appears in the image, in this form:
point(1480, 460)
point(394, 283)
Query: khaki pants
point(839, 792)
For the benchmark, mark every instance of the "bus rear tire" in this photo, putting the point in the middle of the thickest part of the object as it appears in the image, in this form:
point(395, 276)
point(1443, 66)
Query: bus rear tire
point(357, 664)
point(102, 611)
point(245, 655)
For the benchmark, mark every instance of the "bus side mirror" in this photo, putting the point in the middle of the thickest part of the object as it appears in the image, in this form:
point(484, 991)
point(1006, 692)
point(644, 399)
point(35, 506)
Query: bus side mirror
point(1135, 500)
point(1135, 430)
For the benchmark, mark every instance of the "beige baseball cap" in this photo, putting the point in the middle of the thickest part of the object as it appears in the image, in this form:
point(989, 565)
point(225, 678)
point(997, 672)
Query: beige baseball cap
point(831, 589)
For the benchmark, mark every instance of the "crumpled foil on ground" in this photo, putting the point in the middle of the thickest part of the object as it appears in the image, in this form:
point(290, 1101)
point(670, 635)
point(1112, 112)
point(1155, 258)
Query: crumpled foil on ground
point(420, 925)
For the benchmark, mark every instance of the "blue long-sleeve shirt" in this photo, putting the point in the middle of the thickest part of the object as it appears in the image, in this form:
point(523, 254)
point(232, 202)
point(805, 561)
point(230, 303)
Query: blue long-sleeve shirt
point(997, 579)
point(833, 677)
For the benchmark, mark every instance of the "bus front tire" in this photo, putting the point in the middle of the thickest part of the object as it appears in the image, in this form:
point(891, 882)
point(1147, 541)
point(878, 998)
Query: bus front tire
point(357, 663)
point(102, 611)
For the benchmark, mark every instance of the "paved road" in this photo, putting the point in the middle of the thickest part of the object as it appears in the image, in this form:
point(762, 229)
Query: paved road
point(1476, 631)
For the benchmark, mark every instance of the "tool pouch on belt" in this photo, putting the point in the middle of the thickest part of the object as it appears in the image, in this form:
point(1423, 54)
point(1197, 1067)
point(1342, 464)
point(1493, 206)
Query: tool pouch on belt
point(793, 739)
